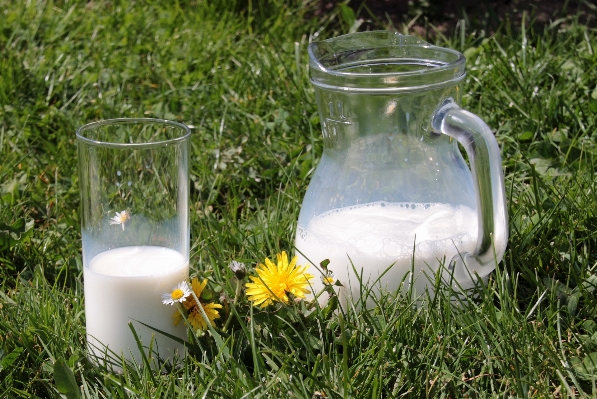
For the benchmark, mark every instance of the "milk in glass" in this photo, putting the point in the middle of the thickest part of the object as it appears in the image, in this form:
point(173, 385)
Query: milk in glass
point(125, 285)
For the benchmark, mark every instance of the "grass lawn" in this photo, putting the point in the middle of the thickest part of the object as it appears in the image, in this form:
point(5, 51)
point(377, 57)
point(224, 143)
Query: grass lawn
point(238, 76)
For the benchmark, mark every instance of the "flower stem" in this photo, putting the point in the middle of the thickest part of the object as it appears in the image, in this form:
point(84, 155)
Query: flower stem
point(236, 295)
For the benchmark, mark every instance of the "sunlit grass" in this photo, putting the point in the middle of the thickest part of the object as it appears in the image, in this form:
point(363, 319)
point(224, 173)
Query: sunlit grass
point(238, 76)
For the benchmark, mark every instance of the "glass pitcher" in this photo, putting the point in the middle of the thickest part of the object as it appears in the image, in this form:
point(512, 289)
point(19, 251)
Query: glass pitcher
point(392, 203)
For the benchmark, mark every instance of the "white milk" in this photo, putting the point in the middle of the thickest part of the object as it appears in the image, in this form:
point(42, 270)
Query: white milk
point(127, 283)
point(378, 234)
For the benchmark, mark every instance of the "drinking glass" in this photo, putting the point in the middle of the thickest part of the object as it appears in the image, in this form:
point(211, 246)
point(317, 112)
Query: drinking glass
point(134, 183)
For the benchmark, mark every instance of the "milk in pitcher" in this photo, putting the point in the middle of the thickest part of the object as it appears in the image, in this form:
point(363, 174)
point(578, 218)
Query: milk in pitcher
point(404, 237)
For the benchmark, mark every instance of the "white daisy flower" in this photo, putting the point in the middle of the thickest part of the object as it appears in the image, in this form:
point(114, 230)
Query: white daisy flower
point(328, 278)
point(121, 218)
point(178, 294)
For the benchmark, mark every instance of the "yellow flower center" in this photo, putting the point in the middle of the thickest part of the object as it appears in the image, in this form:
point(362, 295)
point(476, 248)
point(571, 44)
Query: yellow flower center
point(177, 294)
point(329, 280)
point(279, 290)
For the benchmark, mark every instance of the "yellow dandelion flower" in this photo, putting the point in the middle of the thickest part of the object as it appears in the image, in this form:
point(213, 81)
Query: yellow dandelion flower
point(197, 288)
point(176, 318)
point(275, 282)
point(196, 318)
point(192, 308)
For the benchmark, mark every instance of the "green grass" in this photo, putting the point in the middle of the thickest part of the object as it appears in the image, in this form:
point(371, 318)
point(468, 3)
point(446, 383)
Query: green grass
point(238, 75)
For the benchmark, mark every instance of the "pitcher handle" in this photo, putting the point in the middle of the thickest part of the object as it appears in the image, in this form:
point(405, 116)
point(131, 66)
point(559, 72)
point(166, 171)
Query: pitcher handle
point(488, 179)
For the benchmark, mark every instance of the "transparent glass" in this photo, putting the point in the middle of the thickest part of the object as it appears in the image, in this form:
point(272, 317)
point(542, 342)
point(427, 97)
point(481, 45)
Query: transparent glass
point(134, 182)
point(392, 203)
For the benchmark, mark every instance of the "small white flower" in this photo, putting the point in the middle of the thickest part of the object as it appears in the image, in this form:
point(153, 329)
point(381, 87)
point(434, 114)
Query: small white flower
point(121, 218)
point(328, 278)
point(178, 294)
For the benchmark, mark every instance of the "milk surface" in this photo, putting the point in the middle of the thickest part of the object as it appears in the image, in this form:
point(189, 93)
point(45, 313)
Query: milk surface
point(125, 284)
point(380, 234)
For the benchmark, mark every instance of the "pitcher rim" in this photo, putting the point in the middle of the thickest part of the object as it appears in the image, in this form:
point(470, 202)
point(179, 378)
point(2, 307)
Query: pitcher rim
point(434, 71)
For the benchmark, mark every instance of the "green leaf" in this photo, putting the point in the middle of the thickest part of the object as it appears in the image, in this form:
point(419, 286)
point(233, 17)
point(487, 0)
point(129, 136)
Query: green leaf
point(65, 380)
point(10, 358)
point(589, 326)
point(347, 14)
point(14, 233)
point(324, 264)
point(590, 283)
point(541, 164)
point(207, 294)
point(471, 53)
point(330, 308)
point(587, 367)
point(525, 136)
point(218, 288)
point(573, 302)
point(557, 136)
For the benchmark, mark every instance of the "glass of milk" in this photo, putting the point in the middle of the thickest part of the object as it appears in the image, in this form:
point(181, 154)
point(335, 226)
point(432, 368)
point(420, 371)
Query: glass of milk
point(134, 183)
point(392, 203)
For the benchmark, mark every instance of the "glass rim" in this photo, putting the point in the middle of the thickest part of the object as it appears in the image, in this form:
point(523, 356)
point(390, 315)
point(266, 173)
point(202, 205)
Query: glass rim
point(186, 132)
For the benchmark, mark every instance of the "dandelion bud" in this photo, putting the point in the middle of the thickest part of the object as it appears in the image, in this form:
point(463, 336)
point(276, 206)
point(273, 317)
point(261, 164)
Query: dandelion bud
point(223, 297)
point(239, 269)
